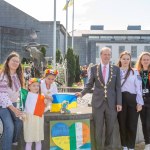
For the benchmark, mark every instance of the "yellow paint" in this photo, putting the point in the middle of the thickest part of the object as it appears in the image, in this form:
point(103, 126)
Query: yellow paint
point(62, 142)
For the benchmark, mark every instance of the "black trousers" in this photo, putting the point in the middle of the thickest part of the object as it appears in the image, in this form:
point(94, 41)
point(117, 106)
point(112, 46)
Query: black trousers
point(128, 119)
point(145, 118)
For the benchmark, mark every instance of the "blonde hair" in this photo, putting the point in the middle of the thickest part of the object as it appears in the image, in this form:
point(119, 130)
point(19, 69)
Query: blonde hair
point(138, 64)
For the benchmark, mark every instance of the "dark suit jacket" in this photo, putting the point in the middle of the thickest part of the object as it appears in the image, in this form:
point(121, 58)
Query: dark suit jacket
point(114, 96)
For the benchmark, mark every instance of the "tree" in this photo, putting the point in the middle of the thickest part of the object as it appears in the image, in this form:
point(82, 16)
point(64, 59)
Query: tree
point(43, 51)
point(58, 56)
point(71, 66)
point(77, 71)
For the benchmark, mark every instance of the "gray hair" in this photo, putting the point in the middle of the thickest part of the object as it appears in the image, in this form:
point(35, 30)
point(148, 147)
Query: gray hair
point(104, 49)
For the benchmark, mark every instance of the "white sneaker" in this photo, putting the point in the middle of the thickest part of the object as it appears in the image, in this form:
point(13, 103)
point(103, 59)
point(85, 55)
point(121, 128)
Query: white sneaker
point(15, 144)
point(124, 148)
point(147, 147)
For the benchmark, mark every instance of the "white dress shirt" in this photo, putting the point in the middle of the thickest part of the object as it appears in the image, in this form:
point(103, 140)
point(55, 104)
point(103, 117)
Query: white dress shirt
point(133, 84)
point(107, 71)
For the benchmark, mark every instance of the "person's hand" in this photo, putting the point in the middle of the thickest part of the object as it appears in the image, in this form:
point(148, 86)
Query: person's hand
point(23, 117)
point(16, 111)
point(78, 94)
point(138, 107)
point(50, 98)
point(47, 101)
point(119, 108)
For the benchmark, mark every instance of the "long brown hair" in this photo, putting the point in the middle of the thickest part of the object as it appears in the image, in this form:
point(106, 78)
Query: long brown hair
point(6, 69)
point(138, 64)
point(120, 65)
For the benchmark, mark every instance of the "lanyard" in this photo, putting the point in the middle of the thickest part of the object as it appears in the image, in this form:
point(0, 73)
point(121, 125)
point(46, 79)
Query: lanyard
point(144, 78)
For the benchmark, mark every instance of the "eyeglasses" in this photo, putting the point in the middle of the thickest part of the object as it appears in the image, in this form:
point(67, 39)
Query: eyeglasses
point(15, 61)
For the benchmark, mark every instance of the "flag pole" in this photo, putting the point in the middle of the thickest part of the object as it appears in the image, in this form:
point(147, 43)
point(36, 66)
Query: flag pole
point(66, 45)
point(54, 37)
point(73, 25)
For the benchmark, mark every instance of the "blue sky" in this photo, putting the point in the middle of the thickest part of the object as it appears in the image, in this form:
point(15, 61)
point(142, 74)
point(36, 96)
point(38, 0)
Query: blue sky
point(113, 14)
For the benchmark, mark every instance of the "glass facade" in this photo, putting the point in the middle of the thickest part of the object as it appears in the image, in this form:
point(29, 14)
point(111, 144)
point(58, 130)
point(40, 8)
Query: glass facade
point(121, 49)
point(134, 51)
point(147, 49)
point(12, 39)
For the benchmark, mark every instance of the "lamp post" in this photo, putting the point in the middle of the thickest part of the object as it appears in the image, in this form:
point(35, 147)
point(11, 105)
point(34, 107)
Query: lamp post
point(73, 26)
point(54, 37)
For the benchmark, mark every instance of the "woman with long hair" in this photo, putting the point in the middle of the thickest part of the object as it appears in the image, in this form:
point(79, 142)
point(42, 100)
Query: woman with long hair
point(11, 80)
point(132, 101)
point(143, 66)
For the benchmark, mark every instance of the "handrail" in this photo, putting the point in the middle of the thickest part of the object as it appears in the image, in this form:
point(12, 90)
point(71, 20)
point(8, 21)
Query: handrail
point(71, 89)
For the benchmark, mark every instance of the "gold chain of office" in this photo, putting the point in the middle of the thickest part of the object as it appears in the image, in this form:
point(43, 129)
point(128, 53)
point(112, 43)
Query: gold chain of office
point(109, 80)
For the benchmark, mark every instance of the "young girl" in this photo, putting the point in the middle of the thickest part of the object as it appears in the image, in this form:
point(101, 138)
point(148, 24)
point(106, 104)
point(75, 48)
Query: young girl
point(48, 85)
point(132, 101)
point(33, 125)
point(143, 66)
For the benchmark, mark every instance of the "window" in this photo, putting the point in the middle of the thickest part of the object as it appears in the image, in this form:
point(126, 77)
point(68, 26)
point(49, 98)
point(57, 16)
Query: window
point(97, 52)
point(120, 37)
point(109, 46)
point(121, 49)
point(134, 51)
point(133, 37)
point(147, 48)
point(145, 37)
point(106, 37)
point(93, 37)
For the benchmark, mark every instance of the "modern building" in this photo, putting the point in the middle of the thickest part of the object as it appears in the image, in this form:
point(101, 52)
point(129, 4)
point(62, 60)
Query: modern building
point(88, 43)
point(18, 29)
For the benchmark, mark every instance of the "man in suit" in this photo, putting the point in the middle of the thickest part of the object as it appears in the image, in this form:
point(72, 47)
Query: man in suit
point(106, 99)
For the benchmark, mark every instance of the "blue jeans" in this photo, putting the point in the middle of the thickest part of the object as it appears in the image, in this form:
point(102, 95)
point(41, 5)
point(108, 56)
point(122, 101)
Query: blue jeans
point(12, 128)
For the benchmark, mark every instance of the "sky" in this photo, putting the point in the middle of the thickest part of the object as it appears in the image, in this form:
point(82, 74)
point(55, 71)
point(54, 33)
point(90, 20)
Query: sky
point(113, 14)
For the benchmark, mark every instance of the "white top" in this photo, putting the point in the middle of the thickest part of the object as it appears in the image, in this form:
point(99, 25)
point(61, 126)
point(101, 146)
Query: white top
point(53, 89)
point(107, 71)
point(132, 85)
point(8, 95)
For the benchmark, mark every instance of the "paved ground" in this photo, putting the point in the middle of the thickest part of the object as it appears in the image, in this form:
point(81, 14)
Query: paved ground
point(140, 146)
point(83, 105)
